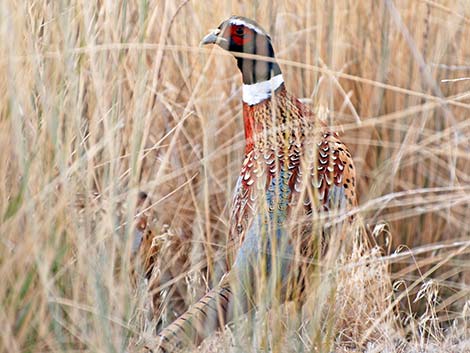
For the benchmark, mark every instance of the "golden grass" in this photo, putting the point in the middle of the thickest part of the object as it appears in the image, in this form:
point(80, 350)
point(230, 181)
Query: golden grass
point(101, 99)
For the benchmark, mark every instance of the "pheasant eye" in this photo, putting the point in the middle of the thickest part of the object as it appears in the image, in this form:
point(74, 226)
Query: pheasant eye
point(239, 31)
point(240, 35)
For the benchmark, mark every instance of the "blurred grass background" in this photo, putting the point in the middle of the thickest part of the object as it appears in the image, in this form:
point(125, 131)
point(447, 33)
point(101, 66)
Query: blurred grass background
point(101, 99)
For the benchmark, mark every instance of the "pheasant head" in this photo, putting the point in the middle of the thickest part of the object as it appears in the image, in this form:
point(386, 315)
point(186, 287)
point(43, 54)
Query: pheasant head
point(242, 35)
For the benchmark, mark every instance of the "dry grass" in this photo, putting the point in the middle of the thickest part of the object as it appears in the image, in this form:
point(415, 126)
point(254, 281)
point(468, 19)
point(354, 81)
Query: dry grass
point(101, 99)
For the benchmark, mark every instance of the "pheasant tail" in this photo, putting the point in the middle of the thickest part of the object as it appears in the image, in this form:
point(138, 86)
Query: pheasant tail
point(211, 312)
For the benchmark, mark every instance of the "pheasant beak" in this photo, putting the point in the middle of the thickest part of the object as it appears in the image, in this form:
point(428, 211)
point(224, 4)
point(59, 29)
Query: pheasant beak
point(213, 38)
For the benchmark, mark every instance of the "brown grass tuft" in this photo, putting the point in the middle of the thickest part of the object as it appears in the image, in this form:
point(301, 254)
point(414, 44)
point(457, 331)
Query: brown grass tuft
point(101, 99)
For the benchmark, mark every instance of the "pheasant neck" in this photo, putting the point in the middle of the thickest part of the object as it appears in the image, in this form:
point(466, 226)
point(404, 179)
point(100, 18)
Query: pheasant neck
point(259, 70)
point(257, 92)
point(254, 71)
point(257, 118)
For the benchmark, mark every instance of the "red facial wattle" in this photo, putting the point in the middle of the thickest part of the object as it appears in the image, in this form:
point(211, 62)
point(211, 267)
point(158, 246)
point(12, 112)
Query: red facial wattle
point(240, 35)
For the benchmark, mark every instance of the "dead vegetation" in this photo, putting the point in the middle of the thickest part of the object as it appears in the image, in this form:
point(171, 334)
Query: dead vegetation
point(102, 99)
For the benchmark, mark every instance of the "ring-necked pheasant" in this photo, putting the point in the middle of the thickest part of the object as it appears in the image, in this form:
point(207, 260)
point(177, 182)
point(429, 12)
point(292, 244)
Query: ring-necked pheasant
point(296, 176)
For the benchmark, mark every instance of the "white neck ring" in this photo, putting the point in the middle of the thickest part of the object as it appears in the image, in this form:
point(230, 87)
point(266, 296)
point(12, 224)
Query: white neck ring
point(260, 91)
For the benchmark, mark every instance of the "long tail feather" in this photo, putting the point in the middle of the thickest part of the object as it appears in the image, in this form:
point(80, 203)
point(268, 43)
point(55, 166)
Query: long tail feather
point(211, 312)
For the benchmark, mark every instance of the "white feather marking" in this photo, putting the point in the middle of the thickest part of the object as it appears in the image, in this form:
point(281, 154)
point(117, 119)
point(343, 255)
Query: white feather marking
point(318, 183)
point(328, 180)
point(260, 91)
